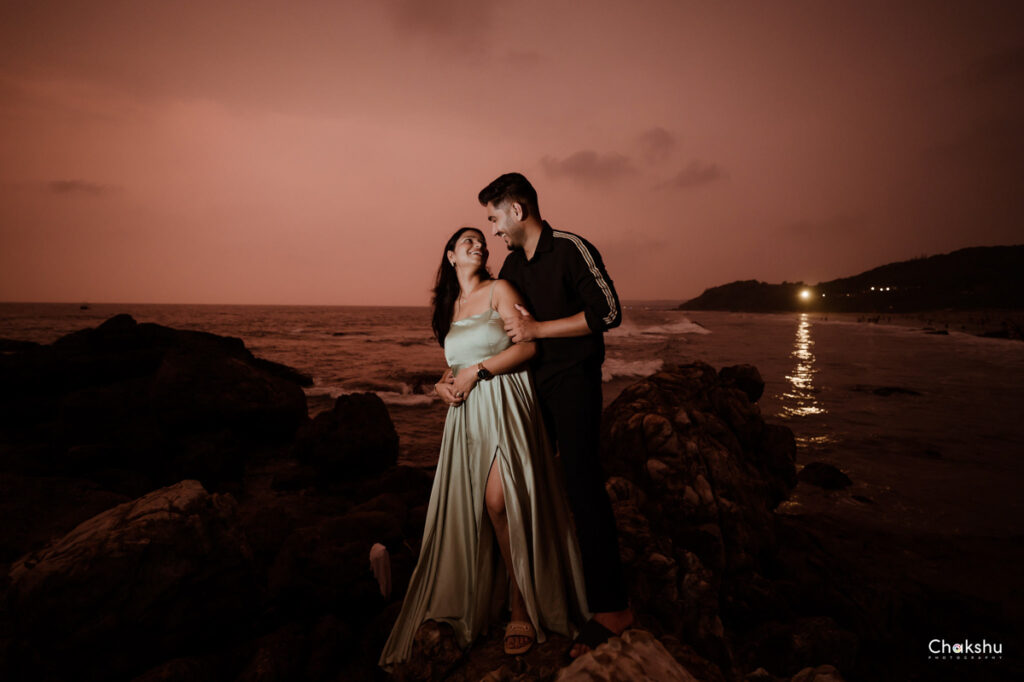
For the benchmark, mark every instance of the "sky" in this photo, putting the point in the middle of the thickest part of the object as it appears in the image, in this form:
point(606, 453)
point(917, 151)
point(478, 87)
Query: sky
point(322, 153)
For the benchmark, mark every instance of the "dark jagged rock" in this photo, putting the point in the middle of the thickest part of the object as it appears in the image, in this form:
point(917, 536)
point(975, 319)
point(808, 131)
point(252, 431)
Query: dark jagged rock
point(326, 568)
point(704, 473)
point(744, 377)
point(8, 346)
point(180, 670)
point(356, 438)
point(176, 584)
point(821, 673)
point(331, 643)
point(136, 584)
point(636, 655)
point(136, 406)
point(35, 510)
point(435, 652)
point(784, 648)
point(280, 657)
point(824, 475)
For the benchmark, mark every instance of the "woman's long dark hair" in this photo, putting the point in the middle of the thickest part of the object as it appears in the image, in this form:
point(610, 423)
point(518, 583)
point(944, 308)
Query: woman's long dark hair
point(446, 287)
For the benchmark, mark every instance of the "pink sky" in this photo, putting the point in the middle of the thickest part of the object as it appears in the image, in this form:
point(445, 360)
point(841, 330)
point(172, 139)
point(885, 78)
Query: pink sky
point(322, 152)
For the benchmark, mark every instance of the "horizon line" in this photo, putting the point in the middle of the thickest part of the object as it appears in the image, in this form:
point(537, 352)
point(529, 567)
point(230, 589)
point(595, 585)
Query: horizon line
point(287, 305)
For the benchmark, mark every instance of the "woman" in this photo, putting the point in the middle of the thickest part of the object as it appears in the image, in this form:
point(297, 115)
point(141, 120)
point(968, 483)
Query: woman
point(496, 486)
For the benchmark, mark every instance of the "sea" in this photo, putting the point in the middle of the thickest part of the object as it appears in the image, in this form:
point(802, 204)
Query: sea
point(929, 426)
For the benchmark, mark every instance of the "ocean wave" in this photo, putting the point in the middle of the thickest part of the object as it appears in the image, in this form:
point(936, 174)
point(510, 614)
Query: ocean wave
point(683, 326)
point(614, 367)
point(407, 399)
point(391, 394)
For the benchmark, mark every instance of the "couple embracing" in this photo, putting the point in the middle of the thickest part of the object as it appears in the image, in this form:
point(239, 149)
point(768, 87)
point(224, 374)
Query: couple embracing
point(507, 517)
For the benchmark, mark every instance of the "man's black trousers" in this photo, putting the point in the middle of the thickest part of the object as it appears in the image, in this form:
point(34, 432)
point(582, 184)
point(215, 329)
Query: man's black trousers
point(571, 404)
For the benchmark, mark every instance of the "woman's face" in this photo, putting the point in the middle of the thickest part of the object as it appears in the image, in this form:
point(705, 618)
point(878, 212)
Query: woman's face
point(470, 250)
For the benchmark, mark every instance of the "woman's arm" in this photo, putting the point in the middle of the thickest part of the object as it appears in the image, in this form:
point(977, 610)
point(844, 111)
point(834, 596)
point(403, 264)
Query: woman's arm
point(512, 358)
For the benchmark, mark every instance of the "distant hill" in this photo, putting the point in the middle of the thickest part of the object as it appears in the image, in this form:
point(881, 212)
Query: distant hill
point(968, 279)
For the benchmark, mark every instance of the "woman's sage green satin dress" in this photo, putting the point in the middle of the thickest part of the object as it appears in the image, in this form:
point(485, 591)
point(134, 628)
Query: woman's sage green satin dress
point(460, 566)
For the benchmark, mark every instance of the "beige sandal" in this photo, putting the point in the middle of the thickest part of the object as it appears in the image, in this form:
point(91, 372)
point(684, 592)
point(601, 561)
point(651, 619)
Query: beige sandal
point(519, 628)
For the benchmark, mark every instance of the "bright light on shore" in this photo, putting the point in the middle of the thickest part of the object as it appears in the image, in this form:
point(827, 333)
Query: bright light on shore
point(805, 294)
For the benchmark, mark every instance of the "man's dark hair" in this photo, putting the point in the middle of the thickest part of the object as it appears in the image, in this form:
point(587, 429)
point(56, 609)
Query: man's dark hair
point(511, 187)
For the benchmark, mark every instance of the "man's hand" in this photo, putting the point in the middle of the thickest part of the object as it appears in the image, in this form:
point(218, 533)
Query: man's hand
point(464, 382)
point(445, 389)
point(522, 328)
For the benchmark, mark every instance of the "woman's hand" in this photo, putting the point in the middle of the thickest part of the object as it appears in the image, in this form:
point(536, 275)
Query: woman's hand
point(445, 389)
point(464, 382)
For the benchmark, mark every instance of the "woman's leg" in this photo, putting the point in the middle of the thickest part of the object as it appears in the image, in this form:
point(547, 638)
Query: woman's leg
point(494, 497)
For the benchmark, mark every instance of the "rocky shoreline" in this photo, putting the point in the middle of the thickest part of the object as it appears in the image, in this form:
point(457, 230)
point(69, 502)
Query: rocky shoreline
point(172, 513)
point(989, 324)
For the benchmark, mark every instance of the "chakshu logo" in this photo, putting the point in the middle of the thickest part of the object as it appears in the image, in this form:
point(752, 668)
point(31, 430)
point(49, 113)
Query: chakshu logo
point(940, 649)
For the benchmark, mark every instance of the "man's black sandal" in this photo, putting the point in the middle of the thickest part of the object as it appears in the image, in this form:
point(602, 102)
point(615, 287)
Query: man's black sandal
point(593, 635)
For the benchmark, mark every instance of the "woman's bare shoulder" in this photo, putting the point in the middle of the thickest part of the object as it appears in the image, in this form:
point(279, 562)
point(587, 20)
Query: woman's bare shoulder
point(503, 287)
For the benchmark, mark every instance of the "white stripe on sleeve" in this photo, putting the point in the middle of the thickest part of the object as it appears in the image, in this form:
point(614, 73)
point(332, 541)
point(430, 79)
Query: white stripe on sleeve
point(613, 310)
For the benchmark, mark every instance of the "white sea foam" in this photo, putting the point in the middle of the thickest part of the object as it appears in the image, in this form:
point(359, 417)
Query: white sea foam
point(683, 326)
point(403, 396)
point(408, 399)
point(613, 367)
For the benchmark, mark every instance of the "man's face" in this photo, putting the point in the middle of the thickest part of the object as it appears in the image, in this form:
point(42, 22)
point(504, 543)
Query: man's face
point(505, 224)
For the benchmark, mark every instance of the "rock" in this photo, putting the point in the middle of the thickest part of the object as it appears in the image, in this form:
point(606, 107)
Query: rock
point(331, 642)
point(36, 509)
point(193, 391)
point(824, 475)
point(435, 652)
point(789, 647)
point(636, 655)
point(136, 584)
point(760, 675)
point(356, 438)
point(181, 670)
point(326, 568)
point(744, 377)
point(823, 673)
point(280, 657)
point(696, 474)
point(295, 477)
point(125, 399)
point(11, 346)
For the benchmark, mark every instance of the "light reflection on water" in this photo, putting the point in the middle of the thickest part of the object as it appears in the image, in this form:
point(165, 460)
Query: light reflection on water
point(800, 398)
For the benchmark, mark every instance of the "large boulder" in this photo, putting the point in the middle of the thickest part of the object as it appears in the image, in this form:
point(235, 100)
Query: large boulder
point(136, 584)
point(355, 439)
point(160, 403)
point(326, 567)
point(696, 476)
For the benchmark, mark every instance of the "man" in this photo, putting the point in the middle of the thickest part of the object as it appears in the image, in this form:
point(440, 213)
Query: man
point(573, 302)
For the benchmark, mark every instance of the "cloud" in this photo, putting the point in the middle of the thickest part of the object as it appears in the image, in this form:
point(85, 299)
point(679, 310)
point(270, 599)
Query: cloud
point(589, 167)
point(76, 187)
point(457, 27)
point(656, 145)
point(695, 174)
